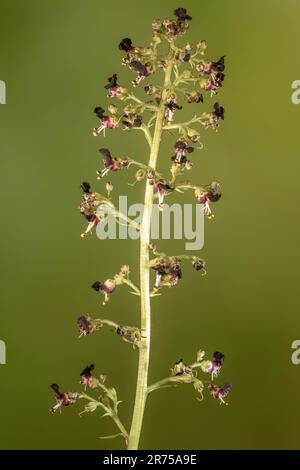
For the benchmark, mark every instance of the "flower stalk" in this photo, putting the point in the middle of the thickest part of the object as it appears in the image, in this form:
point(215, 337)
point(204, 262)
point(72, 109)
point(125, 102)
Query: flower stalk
point(144, 351)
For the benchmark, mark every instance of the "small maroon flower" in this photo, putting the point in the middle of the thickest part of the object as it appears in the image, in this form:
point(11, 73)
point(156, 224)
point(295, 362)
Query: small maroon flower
point(126, 45)
point(88, 208)
point(161, 187)
point(205, 197)
point(210, 67)
point(143, 71)
point(161, 269)
point(198, 264)
point(107, 122)
point(220, 392)
point(168, 273)
point(213, 83)
point(85, 325)
point(185, 56)
point(87, 379)
point(110, 163)
point(93, 221)
point(62, 399)
point(131, 120)
point(171, 106)
point(114, 90)
point(180, 368)
point(181, 148)
point(182, 14)
point(176, 273)
point(106, 288)
point(214, 367)
point(195, 97)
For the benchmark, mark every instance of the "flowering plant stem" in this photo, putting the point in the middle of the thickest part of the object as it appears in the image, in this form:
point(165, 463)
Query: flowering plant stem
point(144, 350)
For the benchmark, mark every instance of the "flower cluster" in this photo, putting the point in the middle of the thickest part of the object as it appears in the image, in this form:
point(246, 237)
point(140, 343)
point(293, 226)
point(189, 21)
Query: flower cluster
point(137, 59)
point(213, 73)
point(180, 159)
point(183, 373)
point(168, 269)
point(88, 207)
point(172, 28)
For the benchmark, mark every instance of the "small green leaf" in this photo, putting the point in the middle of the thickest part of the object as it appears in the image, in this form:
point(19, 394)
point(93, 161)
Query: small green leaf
point(113, 436)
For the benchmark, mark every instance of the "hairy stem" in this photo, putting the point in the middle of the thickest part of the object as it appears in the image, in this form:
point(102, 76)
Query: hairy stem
point(144, 351)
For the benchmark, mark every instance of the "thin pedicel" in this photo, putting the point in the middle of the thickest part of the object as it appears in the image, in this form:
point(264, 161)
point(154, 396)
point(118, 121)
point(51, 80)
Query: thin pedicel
point(187, 76)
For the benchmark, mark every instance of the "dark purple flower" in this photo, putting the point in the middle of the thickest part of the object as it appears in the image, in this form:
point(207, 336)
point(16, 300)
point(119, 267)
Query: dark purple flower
point(220, 392)
point(107, 122)
point(198, 264)
point(181, 14)
point(62, 399)
point(114, 90)
point(85, 325)
point(126, 45)
point(106, 288)
point(110, 163)
point(143, 71)
point(132, 120)
point(195, 97)
point(87, 379)
point(88, 208)
point(214, 367)
point(181, 148)
point(214, 117)
point(168, 272)
point(161, 187)
point(171, 105)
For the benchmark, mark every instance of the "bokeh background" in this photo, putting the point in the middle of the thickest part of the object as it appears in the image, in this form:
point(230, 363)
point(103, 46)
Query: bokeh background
point(55, 57)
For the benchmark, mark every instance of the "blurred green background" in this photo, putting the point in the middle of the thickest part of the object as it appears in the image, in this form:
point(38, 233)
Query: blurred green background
point(55, 57)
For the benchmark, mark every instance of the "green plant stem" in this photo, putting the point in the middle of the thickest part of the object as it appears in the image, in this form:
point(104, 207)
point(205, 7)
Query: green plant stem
point(107, 410)
point(184, 124)
point(163, 383)
point(144, 350)
point(132, 286)
point(126, 219)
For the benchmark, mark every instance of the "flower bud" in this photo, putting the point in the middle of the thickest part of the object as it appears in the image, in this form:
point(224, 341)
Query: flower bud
point(109, 187)
point(140, 174)
point(201, 46)
point(113, 109)
point(125, 270)
point(200, 355)
point(152, 247)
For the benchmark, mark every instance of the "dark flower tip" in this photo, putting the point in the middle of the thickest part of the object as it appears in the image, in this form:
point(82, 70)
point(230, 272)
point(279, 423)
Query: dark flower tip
point(112, 81)
point(97, 286)
point(99, 111)
point(219, 111)
point(181, 14)
point(87, 371)
point(55, 388)
point(85, 187)
point(125, 45)
point(219, 358)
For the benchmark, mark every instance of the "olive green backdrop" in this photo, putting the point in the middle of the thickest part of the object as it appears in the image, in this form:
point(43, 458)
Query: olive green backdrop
point(55, 57)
